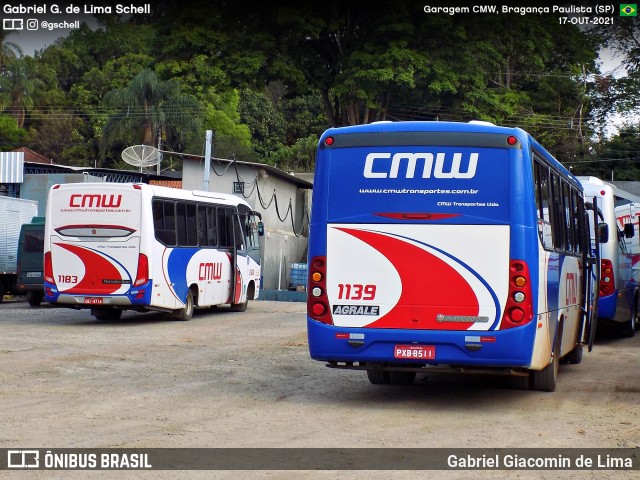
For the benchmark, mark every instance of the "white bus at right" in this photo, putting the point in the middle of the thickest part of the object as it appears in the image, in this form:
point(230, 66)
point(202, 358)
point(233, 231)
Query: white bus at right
point(619, 255)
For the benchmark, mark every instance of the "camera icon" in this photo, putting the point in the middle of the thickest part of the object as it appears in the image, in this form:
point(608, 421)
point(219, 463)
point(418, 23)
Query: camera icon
point(32, 24)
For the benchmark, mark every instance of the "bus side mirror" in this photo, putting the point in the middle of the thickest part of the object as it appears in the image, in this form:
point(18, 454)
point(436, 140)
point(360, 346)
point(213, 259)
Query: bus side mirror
point(260, 229)
point(603, 232)
point(628, 230)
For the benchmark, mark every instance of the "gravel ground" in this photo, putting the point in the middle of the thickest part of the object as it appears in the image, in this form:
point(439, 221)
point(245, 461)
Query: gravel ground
point(229, 379)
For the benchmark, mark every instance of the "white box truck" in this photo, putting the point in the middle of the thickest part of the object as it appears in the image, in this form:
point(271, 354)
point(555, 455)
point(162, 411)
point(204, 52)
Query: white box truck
point(13, 213)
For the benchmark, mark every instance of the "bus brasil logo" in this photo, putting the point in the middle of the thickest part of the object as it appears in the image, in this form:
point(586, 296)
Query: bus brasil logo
point(385, 169)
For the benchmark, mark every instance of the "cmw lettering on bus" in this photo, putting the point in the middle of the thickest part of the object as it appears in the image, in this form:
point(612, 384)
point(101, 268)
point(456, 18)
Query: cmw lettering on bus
point(88, 200)
point(210, 271)
point(384, 169)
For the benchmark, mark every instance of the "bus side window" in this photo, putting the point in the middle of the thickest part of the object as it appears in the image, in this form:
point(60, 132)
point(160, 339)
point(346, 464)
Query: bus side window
point(568, 213)
point(164, 222)
point(541, 180)
point(225, 227)
point(251, 231)
point(559, 222)
point(181, 224)
point(202, 226)
point(239, 234)
point(192, 226)
point(212, 229)
point(577, 223)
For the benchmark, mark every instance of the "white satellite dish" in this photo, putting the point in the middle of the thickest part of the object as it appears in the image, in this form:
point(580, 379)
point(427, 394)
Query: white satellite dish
point(141, 156)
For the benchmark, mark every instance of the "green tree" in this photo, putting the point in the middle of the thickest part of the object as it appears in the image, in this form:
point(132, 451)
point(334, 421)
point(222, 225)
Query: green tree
point(9, 51)
point(10, 135)
point(266, 123)
point(147, 106)
point(17, 87)
point(619, 154)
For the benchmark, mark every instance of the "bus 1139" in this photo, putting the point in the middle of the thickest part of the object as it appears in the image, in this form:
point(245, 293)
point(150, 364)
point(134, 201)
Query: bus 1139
point(447, 244)
point(111, 247)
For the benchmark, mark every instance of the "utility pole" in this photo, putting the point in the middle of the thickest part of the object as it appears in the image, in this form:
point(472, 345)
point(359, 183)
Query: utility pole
point(208, 149)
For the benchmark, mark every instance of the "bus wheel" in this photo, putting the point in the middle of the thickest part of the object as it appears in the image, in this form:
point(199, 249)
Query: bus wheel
point(628, 328)
point(34, 298)
point(520, 382)
point(186, 313)
point(545, 380)
point(107, 314)
point(574, 357)
point(240, 307)
point(378, 377)
point(1, 291)
point(402, 378)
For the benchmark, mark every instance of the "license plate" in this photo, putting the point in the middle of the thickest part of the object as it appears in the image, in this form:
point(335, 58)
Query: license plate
point(34, 274)
point(93, 300)
point(415, 352)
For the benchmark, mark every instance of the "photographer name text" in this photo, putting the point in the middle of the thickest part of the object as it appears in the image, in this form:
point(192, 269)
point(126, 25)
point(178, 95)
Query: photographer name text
point(127, 9)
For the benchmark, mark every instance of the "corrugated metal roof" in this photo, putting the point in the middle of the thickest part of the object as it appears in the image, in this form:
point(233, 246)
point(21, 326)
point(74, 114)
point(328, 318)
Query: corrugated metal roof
point(11, 167)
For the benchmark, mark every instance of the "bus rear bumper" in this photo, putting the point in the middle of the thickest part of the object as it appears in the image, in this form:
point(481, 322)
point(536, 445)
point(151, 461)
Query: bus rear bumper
point(506, 348)
point(137, 297)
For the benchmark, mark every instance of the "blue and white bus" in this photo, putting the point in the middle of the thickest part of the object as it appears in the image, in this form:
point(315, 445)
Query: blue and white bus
point(111, 247)
point(462, 245)
point(619, 255)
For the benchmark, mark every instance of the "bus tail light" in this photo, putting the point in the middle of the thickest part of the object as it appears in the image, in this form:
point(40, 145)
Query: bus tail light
point(607, 280)
point(142, 275)
point(48, 269)
point(317, 300)
point(519, 308)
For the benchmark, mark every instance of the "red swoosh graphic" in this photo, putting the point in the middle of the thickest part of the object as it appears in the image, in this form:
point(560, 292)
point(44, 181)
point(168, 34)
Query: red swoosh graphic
point(429, 286)
point(96, 268)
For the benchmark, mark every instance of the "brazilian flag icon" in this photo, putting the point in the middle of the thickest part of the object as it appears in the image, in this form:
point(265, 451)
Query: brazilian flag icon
point(629, 10)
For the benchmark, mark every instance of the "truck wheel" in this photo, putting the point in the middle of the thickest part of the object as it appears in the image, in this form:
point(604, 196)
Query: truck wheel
point(35, 298)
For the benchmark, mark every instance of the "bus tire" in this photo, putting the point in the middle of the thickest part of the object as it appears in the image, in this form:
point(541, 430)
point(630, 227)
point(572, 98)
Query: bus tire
point(240, 307)
point(628, 328)
point(185, 314)
point(35, 298)
point(521, 382)
point(402, 378)
point(574, 357)
point(2, 291)
point(545, 380)
point(107, 314)
point(378, 377)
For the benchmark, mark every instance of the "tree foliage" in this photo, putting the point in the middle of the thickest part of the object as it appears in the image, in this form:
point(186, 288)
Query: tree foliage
point(269, 78)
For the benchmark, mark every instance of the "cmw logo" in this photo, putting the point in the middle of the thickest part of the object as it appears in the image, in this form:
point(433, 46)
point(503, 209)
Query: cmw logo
point(385, 169)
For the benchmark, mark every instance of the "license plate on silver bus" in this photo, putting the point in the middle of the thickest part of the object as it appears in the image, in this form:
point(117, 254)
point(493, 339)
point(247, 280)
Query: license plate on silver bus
point(415, 352)
point(94, 300)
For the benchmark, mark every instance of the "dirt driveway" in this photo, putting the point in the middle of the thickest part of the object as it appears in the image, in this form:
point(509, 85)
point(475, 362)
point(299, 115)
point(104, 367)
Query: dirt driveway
point(245, 380)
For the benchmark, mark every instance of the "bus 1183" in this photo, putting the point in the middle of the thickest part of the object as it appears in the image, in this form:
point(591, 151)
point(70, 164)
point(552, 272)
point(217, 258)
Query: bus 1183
point(446, 244)
point(111, 247)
